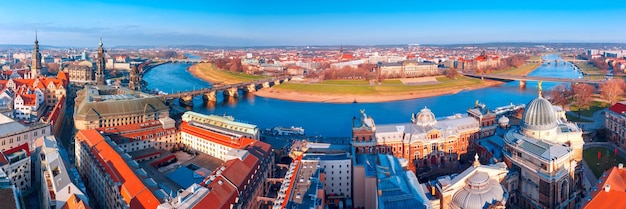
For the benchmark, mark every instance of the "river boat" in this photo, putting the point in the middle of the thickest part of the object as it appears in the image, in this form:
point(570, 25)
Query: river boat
point(508, 109)
point(279, 130)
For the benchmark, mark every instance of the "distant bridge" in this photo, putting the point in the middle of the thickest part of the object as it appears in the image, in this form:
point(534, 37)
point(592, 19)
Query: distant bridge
point(209, 94)
point(192, 61)
point(523, 79)
point(575, 61)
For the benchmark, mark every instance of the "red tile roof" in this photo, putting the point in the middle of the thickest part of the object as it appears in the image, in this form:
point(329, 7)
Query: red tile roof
point(237, 143)
point(18, 148)
point(615, 196)
point(132, 131)
point(74, 202)
point(56, 111)
point(221, 195)
point(618, 108)
point(132, 189)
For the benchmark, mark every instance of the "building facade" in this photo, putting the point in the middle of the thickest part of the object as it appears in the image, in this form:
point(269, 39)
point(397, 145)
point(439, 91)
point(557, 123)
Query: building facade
point(159, 134)
point(546, 150)
point(104, 106)
point(14, 134)
point(57, 186)
point(112, 178)
point(477, 187)
point(16, 164)
point(424, 142)
point(615, 121)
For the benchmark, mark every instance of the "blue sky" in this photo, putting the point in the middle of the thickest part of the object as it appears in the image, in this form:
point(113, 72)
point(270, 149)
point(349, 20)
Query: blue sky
point(317, 22)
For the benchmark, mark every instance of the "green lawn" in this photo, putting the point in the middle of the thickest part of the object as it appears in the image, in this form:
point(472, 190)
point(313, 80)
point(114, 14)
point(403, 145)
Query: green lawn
point(574, 118)
point(388, 87)
point(587, 68)
point(209, 71)
point(595, 106)
point(521, 70)
point(346, 82)
point(590, 156)
point(392, 82)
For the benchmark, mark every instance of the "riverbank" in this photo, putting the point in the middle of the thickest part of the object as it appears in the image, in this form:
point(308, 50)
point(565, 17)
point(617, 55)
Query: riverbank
point(207, 72)
point(431, 90)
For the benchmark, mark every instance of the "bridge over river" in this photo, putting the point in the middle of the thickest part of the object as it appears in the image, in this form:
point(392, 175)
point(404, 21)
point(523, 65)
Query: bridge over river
point(523, 79)
point(209, 94)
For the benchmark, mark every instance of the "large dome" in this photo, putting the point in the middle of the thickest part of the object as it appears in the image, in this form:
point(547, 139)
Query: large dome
point(424, 117)
point(479, 192)
point(539, 115)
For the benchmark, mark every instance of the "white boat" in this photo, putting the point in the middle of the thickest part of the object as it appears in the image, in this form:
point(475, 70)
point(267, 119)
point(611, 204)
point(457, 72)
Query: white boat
point(508, 109)
point(279, 130)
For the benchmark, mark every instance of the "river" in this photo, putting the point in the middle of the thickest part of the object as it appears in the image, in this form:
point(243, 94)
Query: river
point(327, 119)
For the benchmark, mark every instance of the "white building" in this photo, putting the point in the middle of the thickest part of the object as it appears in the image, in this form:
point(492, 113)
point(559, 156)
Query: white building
point(336, 163)
point(28, 104)
point(6, 99)
point(477, 187)
point(16, 164)
point(57, 186)
point(14, 134)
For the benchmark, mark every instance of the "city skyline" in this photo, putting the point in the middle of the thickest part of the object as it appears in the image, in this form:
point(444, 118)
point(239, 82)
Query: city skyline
point(283, 23)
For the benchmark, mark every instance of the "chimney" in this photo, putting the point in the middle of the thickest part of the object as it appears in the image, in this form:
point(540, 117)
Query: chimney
point(607, 188)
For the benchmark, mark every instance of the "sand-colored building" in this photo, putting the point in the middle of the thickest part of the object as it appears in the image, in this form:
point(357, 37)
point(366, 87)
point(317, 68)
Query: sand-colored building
point(104, 106)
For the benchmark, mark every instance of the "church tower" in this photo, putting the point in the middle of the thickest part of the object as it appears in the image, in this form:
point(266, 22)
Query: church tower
point(100, 64)
point(135, 80)
point(35, 66)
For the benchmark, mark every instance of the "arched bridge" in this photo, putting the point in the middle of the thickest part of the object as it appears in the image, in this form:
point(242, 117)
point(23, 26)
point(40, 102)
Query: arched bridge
point(192, 61)
point(523, 79)
point(209, 94)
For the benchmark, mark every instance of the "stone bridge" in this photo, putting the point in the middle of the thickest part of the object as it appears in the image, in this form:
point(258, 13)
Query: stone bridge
point(232, 90)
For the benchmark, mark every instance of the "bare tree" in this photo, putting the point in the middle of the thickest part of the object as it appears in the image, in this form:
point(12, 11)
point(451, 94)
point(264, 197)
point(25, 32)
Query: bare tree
point(612, 90)
point(452, 72)
point(583, 96)
point(558, 95)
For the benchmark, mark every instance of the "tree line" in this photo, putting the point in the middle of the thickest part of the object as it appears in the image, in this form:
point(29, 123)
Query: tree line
point(582, 95)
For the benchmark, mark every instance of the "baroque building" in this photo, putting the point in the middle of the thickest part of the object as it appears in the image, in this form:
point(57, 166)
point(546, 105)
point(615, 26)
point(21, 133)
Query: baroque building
point(426, 141)
point(547, 152)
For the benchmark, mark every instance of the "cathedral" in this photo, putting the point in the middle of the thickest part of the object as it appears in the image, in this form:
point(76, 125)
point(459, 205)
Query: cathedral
point(87, 73)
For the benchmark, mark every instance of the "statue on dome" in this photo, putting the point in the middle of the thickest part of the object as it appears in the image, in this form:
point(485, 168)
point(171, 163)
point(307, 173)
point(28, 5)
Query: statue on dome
point(539, 87)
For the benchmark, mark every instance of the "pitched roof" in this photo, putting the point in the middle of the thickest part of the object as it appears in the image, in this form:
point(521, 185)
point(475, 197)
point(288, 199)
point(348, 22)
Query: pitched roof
point(74, 202)
point(618, 108)
point(237, 143)
point(616, 194)
point(133, 190)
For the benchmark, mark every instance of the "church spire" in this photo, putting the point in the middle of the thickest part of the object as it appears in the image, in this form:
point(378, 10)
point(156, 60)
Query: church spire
point(35, 66)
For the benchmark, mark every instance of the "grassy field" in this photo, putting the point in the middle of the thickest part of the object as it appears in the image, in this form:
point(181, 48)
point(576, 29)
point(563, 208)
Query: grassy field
point(574, 118)
point(587, 69)
point(595, 106)
point(590, 156)
point(387, 87)
point(534, 58)
point(208, 71)
point(521, 70)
